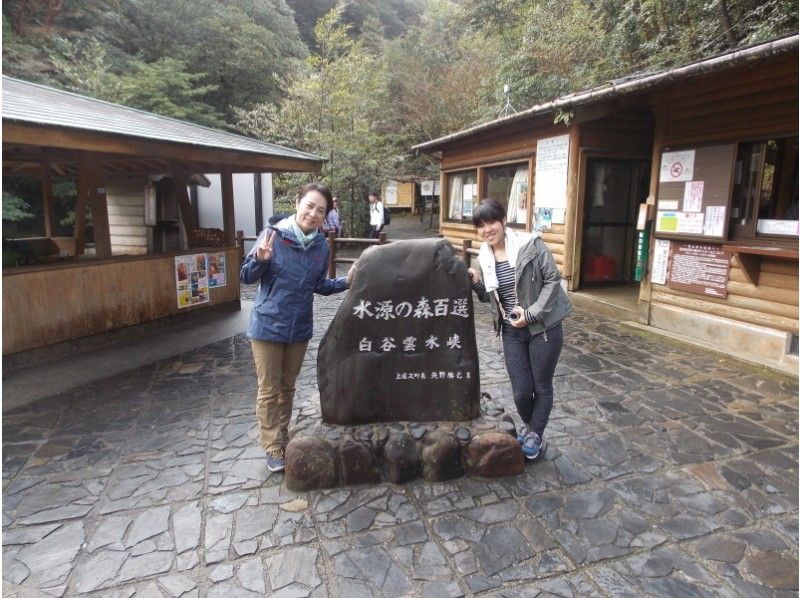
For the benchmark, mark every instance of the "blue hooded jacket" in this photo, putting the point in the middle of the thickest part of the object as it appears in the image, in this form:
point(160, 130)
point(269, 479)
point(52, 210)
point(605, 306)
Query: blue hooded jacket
point(284, 304)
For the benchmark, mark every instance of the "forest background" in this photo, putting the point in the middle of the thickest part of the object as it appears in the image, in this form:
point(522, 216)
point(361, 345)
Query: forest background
point(361, 81)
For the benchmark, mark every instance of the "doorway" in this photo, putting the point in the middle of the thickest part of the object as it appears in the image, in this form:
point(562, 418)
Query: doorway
point(614, 190)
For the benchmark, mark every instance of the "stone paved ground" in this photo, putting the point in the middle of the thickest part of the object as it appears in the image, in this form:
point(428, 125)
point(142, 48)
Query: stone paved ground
point(669, 473)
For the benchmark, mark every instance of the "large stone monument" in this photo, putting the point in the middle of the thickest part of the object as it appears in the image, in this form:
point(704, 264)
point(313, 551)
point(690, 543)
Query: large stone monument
point(402, 345)
point(398, 380)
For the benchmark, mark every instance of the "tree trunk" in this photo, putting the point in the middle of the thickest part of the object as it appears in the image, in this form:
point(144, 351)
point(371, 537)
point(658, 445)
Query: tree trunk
point(725, 18)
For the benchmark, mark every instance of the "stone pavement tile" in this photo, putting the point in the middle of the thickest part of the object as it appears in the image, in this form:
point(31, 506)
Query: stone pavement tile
point(674, 443)
point(156, 481)
point(498, 544)
point(666, 571)
point(571, 585)
point(577, 386)
point(755, 561)
point(622, 379)
point(93, 454)
point(30, 500)
point(236, 459)
point(42, 557)
point(610, 412)
point(109, 413)
point(34, 422)
point(15, 456)
point(594, 524)
point(607, 455)
point(402, 560)
point(462, 494)
point(340, 512)
point(735, 432)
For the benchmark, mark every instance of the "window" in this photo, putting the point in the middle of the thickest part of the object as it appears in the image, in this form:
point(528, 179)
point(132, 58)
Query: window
point(462, 194)
point(764, 202)
point(508, 184)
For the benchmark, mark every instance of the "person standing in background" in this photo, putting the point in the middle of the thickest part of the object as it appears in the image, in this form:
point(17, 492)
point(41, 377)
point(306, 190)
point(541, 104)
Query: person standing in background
point(333, 222)
point(375, 215)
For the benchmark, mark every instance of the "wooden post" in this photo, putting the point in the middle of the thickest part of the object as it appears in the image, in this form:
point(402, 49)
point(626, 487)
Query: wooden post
point(228, 211)
point(181, 181)
point(332, 254)
point(79, 228)
point(382, 238)
point(573, 202)
point(240, 244)
point(99, 204)
point(465, 245)
point(47, 199)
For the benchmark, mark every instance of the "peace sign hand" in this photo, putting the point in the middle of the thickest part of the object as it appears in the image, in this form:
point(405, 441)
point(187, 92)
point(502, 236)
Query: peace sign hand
point(264, 251)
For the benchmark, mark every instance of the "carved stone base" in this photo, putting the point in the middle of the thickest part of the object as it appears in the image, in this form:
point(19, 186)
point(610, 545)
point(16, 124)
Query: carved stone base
point(325, 455)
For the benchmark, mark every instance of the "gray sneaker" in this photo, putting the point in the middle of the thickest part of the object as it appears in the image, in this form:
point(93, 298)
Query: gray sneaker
point(524, 430)
point(531, 446)
point(275, 461)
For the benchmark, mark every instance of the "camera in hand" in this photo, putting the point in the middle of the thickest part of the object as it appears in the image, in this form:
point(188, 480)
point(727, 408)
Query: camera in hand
point(513, 316)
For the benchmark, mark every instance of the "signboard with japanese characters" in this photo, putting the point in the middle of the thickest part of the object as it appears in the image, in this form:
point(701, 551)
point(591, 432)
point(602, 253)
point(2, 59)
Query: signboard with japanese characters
point(701, 269)
point(402, 345)
point(694, 193)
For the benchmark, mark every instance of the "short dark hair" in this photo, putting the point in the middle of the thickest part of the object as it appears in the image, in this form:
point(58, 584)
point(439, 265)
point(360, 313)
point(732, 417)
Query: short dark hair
point(373, 194)
point(322, 190)
point(489, 210)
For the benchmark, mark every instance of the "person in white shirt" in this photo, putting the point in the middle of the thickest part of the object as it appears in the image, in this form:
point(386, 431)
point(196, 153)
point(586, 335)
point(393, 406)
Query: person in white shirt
point(375, 215)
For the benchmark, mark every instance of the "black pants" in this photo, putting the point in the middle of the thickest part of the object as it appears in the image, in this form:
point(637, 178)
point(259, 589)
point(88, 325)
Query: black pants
point(531, 364)
point(374, 231)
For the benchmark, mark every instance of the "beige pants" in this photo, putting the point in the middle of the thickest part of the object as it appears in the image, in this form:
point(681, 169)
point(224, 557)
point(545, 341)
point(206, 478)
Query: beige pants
point(277, 367)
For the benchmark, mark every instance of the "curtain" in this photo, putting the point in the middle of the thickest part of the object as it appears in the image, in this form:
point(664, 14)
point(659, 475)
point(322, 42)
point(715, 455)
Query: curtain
point(456, 192)
point(517, 197)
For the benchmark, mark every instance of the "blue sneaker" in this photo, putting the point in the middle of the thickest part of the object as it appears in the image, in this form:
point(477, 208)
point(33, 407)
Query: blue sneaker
point(524, 430)
point(275, 461)
point(531, 446)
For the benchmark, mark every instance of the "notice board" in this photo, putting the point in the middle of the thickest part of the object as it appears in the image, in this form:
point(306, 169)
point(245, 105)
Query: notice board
point(694, 193)
point(701, 269)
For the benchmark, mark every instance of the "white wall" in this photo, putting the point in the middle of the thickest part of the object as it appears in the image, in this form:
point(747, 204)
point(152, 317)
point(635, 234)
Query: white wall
point(209, 203)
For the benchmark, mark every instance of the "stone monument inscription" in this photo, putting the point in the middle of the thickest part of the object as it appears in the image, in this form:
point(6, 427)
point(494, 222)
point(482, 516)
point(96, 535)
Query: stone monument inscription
point(402, 345)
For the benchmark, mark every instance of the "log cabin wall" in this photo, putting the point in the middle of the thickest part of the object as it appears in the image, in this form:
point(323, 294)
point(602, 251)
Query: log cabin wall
point(515, 143)
point(752, 103)
point(126, 219)
point(57, 303)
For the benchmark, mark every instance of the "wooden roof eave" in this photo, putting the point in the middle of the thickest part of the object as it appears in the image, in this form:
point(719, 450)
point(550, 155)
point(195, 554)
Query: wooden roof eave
point(20, 133)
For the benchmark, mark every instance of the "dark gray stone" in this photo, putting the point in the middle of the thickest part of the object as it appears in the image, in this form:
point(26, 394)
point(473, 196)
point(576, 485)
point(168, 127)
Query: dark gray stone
point(722, 549)
point(508, 428)
point(310, 464)
point(441, 457)
point(401, 458)
point(502, 547)
point(418, 432)
point(462, 433)
point(402, 344)
point(356, 463)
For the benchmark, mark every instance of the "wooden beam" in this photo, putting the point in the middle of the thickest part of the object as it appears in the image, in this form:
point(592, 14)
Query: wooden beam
point(26, 134)
point(182, 194)
point(97, 198)
point(228, 210)
point(47, 198)
point(79, 228)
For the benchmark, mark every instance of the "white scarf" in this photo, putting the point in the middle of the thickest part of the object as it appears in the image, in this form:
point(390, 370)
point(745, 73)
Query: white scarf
point(514, 242)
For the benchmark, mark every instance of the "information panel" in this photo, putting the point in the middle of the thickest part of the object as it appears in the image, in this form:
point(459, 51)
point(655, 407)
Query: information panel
point(701, 269)
point(694, 192)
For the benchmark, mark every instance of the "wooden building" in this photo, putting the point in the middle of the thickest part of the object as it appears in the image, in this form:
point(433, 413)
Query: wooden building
point(110, 238)
point(673, 194)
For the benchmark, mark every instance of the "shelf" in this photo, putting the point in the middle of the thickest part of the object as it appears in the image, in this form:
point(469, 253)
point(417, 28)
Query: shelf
point(750, 257)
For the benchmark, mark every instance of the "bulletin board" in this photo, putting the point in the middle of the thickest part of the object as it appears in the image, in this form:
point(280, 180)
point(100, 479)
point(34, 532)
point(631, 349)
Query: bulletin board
point(694, 193)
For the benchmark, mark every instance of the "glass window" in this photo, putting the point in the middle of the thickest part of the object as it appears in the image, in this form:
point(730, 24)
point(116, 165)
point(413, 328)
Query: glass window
point(462, 195)
point(765, 181)
point(509, 185)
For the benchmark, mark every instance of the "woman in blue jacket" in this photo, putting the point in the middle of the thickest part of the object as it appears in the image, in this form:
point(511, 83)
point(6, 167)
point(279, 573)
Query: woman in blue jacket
point(289, 260)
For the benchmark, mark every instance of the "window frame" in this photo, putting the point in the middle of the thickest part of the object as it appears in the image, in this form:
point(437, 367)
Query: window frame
point(480, 173)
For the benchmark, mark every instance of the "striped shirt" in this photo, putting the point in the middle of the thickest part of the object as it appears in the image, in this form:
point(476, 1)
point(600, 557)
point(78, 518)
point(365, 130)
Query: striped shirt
point(505, 286)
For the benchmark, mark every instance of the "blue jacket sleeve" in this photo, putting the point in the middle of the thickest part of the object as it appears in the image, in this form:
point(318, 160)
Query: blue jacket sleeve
point(252, 269)
point(329, 286)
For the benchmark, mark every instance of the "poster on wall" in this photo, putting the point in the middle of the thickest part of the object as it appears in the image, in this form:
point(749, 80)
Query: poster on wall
point(550, 186)
point(521, 192)
point(701, 269)
point(543, 219)
point(390, 195)
point(191, 279)
point(677, 166)
point(660, 261)
point(426, 188)
point(216, 270)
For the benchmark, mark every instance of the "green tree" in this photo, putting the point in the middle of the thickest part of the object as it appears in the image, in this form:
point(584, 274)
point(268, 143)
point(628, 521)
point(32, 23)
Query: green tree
point(334, 108)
